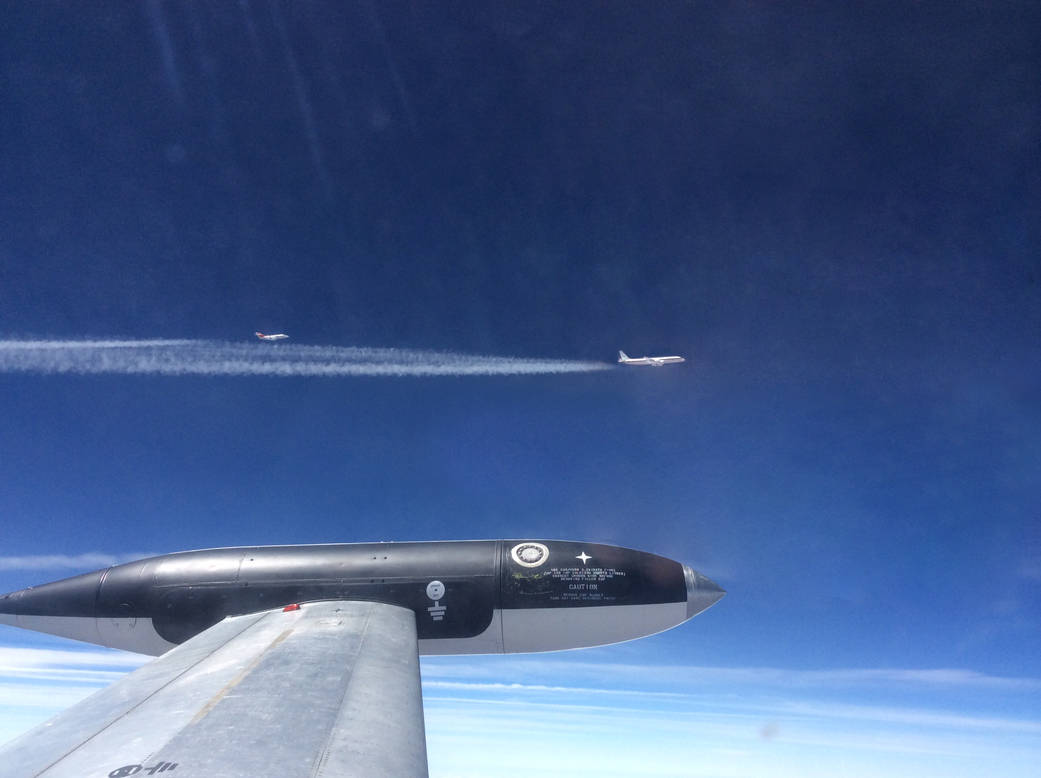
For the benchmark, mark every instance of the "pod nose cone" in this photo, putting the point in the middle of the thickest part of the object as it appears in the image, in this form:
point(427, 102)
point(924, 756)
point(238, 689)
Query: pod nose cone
point(8, 611)
point(702, 591)
point(74, 596)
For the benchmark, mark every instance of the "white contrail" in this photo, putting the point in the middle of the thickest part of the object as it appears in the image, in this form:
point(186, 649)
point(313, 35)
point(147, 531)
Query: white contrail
point(214, 358)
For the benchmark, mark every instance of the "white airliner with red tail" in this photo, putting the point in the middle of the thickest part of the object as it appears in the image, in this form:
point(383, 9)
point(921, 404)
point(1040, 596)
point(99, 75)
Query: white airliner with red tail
point(277, 336)
point(651, 361)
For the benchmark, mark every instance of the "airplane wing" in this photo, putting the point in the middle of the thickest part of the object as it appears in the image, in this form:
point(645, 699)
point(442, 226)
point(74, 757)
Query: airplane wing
point(320, 689)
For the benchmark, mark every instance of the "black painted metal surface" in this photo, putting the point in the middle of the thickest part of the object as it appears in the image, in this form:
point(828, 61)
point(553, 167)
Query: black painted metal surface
point(188, 592)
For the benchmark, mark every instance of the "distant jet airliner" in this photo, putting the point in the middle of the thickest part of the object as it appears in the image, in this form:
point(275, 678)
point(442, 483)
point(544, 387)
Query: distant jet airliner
point(279, 336)
point(652, 361)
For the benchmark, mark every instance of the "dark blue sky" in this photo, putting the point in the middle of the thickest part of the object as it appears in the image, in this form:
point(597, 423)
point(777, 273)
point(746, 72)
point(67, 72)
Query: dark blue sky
point(832, 211)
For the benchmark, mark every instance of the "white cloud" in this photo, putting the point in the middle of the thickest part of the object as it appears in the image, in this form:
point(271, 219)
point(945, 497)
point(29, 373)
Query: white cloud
point(709, 721)
point(563, 717)
point(546, 670)
point(752, 707)
point(714, 737)
point(50, 697)
point(16, 660)
point(915, 717)
point(541, 688)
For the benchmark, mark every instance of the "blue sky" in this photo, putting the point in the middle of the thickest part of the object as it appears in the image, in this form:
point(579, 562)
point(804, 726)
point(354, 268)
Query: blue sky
point(831, 212)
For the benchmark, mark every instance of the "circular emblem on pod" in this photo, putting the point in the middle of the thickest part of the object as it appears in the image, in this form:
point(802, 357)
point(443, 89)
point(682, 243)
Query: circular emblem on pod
point(435, 590)
point(529, 554)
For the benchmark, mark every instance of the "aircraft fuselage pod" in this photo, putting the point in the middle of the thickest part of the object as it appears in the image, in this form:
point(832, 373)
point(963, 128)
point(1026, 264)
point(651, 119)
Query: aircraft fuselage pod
point(494, 596)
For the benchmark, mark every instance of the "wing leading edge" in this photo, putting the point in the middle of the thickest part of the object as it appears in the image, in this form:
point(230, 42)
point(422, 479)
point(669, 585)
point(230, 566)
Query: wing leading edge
point(326, 689)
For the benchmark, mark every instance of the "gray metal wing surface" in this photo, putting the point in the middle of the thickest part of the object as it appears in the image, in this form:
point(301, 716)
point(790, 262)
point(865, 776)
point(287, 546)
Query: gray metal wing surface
point(329, 689)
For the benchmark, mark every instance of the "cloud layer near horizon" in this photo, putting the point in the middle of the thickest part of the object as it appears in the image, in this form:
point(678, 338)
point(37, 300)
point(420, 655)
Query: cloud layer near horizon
point(564, 717)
